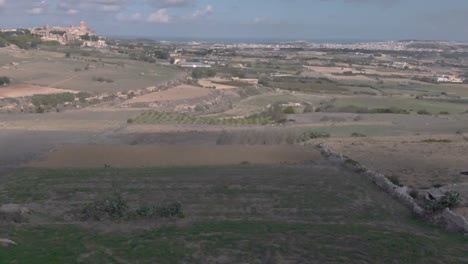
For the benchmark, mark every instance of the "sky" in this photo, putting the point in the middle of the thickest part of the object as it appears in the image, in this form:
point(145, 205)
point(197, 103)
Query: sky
point(249, 19)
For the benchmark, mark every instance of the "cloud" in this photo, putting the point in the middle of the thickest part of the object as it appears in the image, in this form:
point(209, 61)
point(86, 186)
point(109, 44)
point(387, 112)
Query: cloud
point(39, 9)
point(203, 13)
point(171, 3)
point(111, 8)
point(35, 11)
point(72, 12)
point(2, 3)
point(130, 17)
point(160, 17)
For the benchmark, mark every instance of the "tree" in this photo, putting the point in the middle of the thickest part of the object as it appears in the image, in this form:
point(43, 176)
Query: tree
point(289, 110)
point(199, 73)
point(4, 80)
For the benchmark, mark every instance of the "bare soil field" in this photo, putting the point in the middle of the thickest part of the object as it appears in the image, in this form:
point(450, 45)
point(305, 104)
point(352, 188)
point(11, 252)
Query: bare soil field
point(181, 92)
point(419, 161)
point(29, 90)
point(97, 156)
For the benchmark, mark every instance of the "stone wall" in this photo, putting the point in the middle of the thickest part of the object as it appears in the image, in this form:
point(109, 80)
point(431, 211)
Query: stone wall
point(447, 218)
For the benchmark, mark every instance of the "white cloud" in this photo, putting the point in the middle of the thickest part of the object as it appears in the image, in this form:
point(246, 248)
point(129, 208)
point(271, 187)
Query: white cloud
point(131, 17)
point(172, 3)
point(203, 13)
point(72, 12)
point(2, 3)
point(111, 8)
point(35, 11)
point(159, 16)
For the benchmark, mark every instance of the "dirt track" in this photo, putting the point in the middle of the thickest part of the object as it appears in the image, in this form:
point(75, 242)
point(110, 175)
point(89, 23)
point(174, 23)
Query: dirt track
point(96, 156)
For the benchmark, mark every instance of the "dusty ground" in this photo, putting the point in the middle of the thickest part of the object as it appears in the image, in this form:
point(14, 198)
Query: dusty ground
point(29, 90)
point(415, 162)
point(96, 156)
point(182, 92)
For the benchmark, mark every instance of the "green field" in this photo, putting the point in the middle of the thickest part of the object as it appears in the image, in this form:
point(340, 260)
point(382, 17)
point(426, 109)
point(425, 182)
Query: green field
point(175, 118)
point(79, 73)
point(408, 104)
point(233, 214)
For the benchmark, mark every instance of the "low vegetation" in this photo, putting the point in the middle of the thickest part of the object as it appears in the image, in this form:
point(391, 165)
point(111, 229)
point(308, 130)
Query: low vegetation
point(52, 100)
point(363, 110)
point(303, 213)
point(103, 79)
point(175, 118)
point(4, 80)
point(450, 199)
point(116, 208)
point(270, 136)
point(199, 73)
point(431, 140)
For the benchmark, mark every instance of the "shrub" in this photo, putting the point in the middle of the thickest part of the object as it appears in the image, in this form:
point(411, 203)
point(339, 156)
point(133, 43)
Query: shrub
point(130, 121)
point(113, 207)
point(423, 112)
point(4, 80)
point(101, 79)
point(308, 109)
point(312, 134)
point(414, 193)
point(355, 134)
point(165, 211)
point(82, 96)
point(436, 141)
point(289, 110)
point(450, 199)
point(395, 180)
point(40, 110)
point(444, 113)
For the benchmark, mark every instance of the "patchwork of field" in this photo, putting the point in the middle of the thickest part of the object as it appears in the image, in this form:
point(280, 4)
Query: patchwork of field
point(29, 90)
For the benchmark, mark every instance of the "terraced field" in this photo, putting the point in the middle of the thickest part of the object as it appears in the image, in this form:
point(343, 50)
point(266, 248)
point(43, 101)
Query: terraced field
point(175, 118)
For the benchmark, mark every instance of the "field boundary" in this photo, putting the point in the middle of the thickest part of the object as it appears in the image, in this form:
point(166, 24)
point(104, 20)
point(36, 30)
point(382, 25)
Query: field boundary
point(447, 218)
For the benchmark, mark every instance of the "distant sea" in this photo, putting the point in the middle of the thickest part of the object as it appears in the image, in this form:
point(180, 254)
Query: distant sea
point(249, 40)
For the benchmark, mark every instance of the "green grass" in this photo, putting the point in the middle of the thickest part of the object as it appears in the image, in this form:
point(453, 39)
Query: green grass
point(175, 118)
point(234, 214)
point(239, 241)
point(401, 103)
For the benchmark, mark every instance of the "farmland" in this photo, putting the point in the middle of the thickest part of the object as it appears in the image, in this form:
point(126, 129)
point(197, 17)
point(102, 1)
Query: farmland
point(245, 213)
point(114, 155)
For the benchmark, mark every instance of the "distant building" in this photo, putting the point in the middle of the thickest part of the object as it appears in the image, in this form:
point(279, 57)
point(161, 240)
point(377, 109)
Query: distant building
point(248, 81)
point(449, 79)
point(195, 65)
point(67, 35)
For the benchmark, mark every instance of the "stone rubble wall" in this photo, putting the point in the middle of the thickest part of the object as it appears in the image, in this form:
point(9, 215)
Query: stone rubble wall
point(447, 218)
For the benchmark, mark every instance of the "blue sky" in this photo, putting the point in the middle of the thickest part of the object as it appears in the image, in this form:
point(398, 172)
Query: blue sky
point(256, 19)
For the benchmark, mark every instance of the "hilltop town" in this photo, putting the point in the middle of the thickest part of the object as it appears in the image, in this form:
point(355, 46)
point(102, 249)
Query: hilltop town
point(83, 35)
